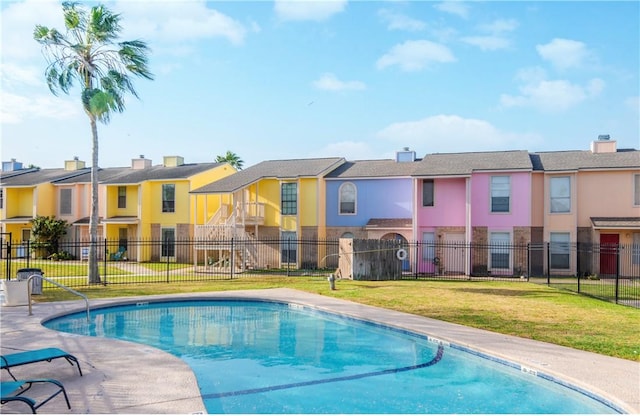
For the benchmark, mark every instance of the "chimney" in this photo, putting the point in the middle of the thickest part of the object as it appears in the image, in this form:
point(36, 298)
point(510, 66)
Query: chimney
point(75, 164)
point(11, 165)
point(604, 144)
point(173, 161)
point(406, 155)
point(140, 163)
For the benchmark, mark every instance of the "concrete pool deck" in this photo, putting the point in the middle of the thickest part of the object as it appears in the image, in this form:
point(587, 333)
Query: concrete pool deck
point(122, 377)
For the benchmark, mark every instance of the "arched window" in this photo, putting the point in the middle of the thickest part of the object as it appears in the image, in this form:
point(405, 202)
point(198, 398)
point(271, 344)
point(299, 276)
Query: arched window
point(347, 235)
point(347, 200)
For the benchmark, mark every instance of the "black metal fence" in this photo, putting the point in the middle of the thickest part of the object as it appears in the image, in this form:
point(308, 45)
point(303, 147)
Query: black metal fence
point(606, 272)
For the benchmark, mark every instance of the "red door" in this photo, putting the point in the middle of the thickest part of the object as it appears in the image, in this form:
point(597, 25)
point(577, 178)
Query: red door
point(609, 253)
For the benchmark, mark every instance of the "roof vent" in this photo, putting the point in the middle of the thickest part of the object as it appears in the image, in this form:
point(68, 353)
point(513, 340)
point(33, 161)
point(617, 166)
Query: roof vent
point(604, 137)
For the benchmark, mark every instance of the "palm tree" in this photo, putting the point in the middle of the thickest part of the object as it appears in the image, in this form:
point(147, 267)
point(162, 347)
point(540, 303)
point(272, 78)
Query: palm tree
point(90, 55)
point(232, 159)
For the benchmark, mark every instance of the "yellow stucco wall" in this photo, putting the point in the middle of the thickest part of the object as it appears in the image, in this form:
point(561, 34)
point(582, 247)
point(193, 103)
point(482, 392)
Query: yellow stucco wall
point(46, 200)
point(111, 202)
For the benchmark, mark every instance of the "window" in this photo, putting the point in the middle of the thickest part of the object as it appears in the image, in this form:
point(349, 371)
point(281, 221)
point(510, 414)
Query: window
point(65, 201)
point(500, 193)
point(347, 235)
point(560, 194)
point(500, 249)
point(288, 250)
point(636, 248)
point(1, 198)
point(122, 196)
point(636, 190)
point(289, 198)
point(347, 198)
point(559, 251)
point(427, 193)
point(168, 198)
point(428, 246)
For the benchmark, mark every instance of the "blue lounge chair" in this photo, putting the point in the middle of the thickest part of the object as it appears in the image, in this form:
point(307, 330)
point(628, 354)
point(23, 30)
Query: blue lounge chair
point(34, 356)
point(13, 391)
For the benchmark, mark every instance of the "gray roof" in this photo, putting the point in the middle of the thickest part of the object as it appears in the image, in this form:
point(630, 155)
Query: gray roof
point(278, 169)
point(129, 175)
point(585, 159)
point(103, 174)
point(160, 172)
point(35, 177)
point(466, 163)
point(373, 169)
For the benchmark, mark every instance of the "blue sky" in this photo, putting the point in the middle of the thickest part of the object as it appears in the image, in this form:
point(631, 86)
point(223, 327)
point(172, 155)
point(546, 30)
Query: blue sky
point(354, 79)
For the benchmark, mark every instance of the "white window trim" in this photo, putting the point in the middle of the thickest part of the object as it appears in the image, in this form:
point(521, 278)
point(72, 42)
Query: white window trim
point(571, 198)
point(355, 199)
point(491, 211)
point(510, 250)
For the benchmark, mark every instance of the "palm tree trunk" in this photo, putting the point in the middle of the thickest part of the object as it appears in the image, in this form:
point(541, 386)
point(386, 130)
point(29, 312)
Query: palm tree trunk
point(94, 273)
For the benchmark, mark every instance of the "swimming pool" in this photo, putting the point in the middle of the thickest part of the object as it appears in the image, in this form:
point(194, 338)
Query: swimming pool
point(269, 357)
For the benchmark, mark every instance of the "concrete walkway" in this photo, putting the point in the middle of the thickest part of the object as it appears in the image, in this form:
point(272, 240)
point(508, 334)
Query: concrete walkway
point(122, 377)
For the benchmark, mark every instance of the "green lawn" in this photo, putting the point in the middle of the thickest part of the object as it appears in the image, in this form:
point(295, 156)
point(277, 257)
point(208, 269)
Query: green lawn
point(522, 309)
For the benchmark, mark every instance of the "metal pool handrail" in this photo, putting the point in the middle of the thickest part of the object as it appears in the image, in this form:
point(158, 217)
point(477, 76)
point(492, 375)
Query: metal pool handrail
point(68, 289)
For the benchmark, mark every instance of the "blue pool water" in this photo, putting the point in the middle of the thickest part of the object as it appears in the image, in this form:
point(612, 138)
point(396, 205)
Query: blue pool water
point(266, 357)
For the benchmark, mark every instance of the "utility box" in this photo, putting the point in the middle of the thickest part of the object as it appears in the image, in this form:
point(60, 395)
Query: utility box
point(16, 293)
point(36, 282)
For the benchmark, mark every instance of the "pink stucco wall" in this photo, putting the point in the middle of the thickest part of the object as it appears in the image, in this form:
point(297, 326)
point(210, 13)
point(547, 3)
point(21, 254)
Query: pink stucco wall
point(449, 204)
point(520, 201)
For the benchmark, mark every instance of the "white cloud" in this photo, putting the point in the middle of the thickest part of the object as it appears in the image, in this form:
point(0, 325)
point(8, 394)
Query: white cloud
point(564, 53)
point(317, 10)
point(397, 21)
point(499, 26)
point(12, 74)
point(452, 133)
point(177, 21)
point(553, 96)
point(487, 43)
point(18, 22)
point(329, 82)
point(16, 109)
point(415, 55)
point(453, 7)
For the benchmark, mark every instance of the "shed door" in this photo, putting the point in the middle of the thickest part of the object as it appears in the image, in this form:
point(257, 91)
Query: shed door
point(608, 254)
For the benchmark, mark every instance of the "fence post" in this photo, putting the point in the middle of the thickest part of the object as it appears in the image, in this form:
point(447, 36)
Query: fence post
point(106, 255)
point(415, 260)
point(232, 258)
point(617, 272)
point(578, 264)
point(166, 243)
point(548, 264)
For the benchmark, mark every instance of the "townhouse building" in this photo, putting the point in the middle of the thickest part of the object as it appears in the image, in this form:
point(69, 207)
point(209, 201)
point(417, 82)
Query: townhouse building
point(590, 198)
point(26, 193)
point(484, 198)
point(467, 213)
point(140, 202)
point(281, 200)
